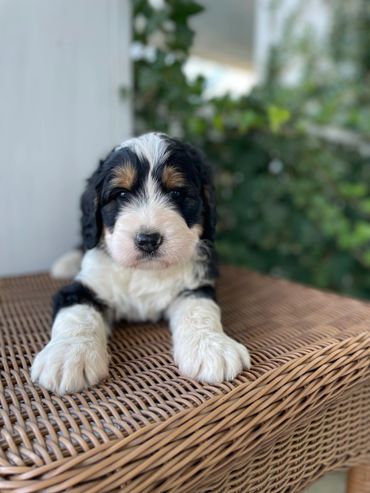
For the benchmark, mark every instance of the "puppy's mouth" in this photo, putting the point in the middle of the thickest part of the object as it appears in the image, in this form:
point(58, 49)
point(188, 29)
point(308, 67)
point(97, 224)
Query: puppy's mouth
point(153, 264)
point(149, 256)
point(151, 260)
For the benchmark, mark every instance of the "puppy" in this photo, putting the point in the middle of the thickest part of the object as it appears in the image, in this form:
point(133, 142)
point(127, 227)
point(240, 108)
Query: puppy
point(148, 228)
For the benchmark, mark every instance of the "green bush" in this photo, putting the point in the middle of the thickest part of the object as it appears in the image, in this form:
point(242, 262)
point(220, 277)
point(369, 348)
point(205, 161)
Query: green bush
point(290, 203)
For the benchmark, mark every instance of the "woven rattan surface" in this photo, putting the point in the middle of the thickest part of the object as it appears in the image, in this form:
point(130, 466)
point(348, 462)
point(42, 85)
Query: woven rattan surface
point(303, 408)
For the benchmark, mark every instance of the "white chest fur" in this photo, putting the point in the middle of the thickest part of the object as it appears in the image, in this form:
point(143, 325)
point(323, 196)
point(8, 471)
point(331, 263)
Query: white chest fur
point(135, 294)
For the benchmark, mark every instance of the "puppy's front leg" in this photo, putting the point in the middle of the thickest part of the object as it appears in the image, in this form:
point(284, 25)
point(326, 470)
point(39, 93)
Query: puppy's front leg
point(201, 349)
point(76, 356)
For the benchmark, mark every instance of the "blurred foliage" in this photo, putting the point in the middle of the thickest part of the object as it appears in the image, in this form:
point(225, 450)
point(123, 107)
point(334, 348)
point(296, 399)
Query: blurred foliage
point(333, 86)
point(291, 203)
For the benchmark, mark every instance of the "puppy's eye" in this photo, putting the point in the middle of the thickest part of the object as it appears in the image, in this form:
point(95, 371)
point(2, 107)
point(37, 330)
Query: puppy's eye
point(119, 194)
point(175, 194)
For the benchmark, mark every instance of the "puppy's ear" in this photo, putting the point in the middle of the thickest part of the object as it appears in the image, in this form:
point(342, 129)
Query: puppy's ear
point(210, 212)
point(207, 193)
point(91, 221)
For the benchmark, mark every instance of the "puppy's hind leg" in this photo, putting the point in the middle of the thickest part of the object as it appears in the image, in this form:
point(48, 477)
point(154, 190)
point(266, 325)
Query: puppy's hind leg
point(68, 265)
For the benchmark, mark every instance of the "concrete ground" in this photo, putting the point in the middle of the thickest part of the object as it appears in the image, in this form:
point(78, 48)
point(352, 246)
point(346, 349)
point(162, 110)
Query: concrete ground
point(334, 482)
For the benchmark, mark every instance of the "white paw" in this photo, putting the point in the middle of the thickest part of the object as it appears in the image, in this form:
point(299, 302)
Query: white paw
point(210, 356)
point(64, 367)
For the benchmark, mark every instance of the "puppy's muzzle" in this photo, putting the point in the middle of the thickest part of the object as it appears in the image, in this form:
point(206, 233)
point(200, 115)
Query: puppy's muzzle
point(148, 242)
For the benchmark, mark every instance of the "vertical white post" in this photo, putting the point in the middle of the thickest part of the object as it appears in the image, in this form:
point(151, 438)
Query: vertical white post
point(62, 64)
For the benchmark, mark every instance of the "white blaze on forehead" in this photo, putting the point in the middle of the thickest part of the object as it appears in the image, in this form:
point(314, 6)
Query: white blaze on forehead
point(149, 206)
point(151, 147)
point(154, 194)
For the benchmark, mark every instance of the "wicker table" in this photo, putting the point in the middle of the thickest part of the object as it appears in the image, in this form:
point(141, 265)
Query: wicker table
point(302, 410)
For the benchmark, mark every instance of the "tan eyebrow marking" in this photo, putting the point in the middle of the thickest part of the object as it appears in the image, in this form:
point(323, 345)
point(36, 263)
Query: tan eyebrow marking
point(172, 177)
point(124, 176)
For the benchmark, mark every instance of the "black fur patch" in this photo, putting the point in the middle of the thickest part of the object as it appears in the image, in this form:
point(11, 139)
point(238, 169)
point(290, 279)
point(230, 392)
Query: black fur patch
point(205, 291)
point(76, 294)
point(209, 259)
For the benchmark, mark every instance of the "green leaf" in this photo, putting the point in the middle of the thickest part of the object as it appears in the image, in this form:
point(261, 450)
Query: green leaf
point(353, 189)
point(277, 117)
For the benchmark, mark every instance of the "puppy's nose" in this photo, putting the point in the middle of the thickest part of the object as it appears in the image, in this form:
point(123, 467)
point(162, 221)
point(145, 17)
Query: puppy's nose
point(148, 242)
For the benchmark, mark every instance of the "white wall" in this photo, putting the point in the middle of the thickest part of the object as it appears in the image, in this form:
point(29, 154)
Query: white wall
point(61, 66)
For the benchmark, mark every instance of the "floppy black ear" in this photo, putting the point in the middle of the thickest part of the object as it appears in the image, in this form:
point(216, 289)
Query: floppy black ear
point(207, 193)
point(210, 211)
point(91, 221)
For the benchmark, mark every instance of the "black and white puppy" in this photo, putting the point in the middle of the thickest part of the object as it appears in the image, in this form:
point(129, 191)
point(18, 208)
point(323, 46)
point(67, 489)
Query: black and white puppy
point(148, 226)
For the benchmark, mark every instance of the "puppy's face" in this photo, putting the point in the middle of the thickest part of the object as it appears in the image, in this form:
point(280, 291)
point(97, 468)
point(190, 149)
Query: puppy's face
point(151, 203)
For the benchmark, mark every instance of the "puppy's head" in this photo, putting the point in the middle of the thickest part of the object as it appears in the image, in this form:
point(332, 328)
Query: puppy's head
point(149, 203)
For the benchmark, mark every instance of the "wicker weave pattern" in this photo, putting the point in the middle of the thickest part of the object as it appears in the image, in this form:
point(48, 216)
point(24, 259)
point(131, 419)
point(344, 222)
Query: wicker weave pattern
point(149, 429)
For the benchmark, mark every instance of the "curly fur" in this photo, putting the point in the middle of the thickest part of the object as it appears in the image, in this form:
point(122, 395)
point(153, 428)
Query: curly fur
point(120, 278)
